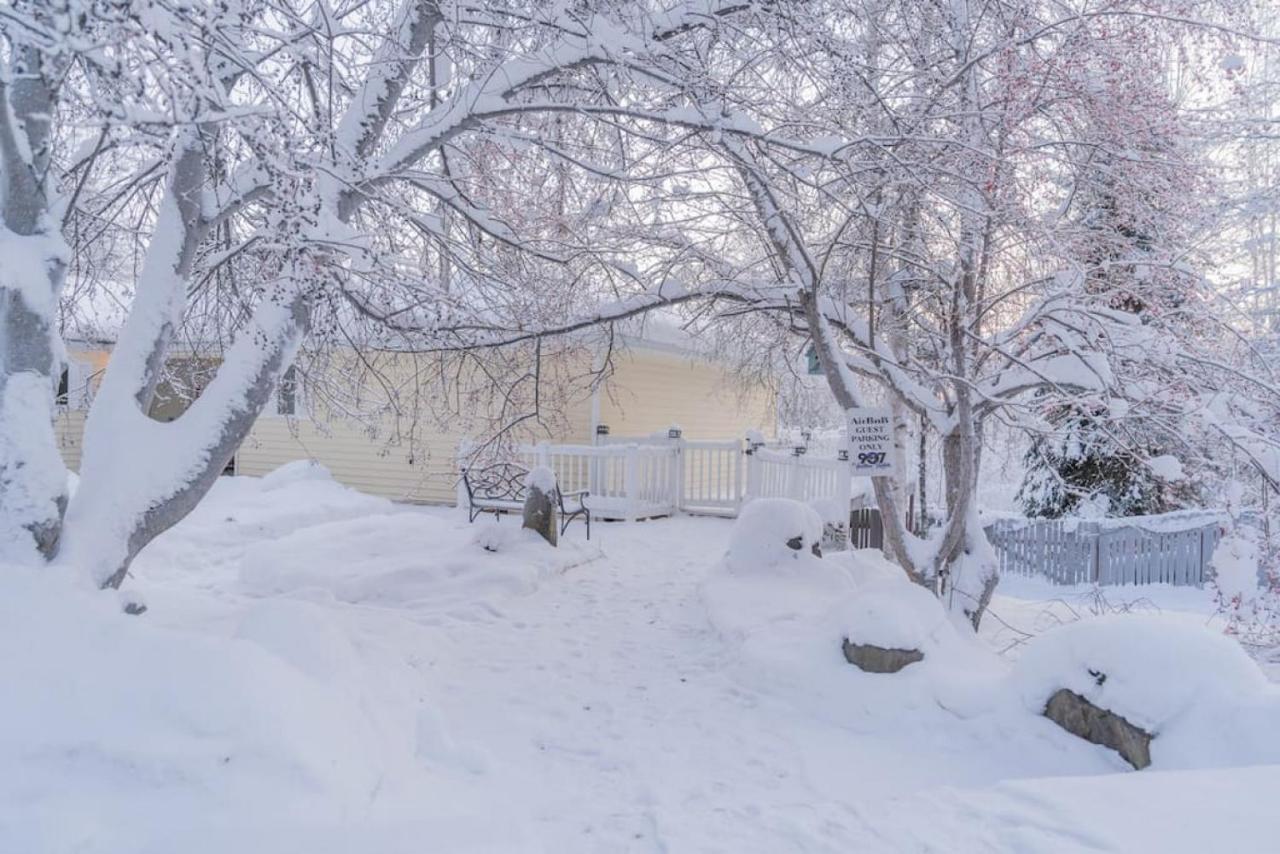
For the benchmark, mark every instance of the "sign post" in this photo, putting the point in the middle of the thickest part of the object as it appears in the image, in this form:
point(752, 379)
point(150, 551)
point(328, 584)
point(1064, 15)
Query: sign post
point(871, 442)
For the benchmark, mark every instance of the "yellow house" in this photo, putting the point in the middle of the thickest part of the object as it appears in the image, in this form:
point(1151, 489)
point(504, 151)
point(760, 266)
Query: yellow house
point(654, 385)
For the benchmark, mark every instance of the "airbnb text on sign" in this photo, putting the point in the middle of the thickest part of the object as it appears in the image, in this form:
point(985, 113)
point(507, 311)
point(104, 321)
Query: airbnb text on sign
point(871, 442)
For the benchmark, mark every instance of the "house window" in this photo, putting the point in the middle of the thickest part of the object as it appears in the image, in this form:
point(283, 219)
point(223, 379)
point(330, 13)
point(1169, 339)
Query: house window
point(73, 385)
point(287, 393)
point(64, 386)
point(811, 360)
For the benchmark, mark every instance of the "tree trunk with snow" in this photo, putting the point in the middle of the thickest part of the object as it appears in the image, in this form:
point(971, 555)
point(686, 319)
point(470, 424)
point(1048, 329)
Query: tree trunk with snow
point(33, 478)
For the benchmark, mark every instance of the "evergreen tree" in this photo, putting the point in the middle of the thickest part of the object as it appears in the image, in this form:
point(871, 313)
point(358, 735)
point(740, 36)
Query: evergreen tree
point(1081, 466)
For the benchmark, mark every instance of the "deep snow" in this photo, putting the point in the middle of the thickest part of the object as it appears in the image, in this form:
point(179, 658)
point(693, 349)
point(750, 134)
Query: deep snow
point(322, 671)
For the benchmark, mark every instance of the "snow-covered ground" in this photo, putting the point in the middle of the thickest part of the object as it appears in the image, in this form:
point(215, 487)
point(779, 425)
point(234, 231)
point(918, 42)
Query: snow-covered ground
point(323, 671)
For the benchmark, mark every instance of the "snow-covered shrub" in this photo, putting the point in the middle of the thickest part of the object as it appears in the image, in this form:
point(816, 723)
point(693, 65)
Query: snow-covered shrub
point(1246, 586)
point(770, 573)
point(1205, 701)
point(771, 532)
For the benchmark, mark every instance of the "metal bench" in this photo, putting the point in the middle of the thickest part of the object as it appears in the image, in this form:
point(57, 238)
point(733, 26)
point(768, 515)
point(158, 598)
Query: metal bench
point(500, 488)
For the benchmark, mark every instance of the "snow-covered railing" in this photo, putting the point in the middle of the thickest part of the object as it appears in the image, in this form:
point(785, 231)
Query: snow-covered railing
point(713, 476)
point(771, 474)
point(1176, 549)
point(657, 476)
point(625, 481)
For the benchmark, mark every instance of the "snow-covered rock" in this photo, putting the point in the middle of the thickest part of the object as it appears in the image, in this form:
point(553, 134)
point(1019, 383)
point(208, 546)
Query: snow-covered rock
point(1201, 697)
point(896, 614)
point(539, 514)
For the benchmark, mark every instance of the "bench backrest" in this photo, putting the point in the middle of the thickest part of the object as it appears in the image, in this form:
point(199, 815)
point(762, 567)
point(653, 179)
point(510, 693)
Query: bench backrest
point(496, 482)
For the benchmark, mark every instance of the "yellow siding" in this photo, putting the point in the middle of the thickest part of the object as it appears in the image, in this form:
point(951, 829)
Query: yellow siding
point(68, 426)
point(425, 472)
point(650, 390)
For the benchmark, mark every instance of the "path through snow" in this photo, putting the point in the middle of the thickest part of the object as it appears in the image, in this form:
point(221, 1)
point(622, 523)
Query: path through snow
point(593, 709)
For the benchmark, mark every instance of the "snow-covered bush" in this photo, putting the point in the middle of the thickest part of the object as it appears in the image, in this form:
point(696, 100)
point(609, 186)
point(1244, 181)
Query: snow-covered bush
point(770, 573)
point(1205, 701)
point(1246, 586)
point(772, 532)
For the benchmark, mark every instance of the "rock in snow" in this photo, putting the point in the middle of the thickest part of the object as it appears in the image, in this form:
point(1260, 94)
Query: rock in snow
point(1194, 691)
point(879, 659)
point(1081, 718)
point(539, 513)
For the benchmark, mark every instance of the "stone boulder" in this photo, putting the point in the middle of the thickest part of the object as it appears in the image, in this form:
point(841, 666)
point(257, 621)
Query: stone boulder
point(879, 659)
point(540, 504)
point(1093, 723)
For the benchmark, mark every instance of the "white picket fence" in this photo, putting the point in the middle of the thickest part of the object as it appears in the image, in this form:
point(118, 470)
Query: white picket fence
point(644, 478)
point(1078, 552)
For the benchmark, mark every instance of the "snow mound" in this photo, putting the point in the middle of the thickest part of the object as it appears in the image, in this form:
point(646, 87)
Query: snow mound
point(759, 538)
point(762, 581)
point(298, 471)
point(406, 559)
point(1201, 696)
point(244, 509)
point(896, 614)
point(870, 566)
point(503, 539)
point(831, 511)
point(116, 714)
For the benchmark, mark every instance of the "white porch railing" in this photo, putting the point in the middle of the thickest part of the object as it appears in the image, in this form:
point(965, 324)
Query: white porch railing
point(625, 481)
point(658, 477)
point(773, 474)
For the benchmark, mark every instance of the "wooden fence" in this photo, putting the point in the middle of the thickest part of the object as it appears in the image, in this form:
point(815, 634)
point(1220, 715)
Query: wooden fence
point(1075, 552)
point(866, 529)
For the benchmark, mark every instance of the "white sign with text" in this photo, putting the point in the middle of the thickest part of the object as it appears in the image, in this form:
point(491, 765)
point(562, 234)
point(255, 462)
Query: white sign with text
point(871, 442)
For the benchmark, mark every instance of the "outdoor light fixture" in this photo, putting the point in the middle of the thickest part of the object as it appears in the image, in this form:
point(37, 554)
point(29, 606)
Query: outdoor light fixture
point(799, 450)
point(673, 432)
point(602, 429)
point(843, 455)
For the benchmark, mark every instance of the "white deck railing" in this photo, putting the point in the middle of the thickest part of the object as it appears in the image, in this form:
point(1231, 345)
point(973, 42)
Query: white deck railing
point(773, 474)
point(657, 477)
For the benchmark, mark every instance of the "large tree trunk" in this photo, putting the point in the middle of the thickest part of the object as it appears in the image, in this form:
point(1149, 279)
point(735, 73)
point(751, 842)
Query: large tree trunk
point(33, 478)
point(141, 476)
